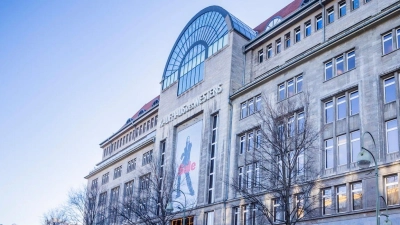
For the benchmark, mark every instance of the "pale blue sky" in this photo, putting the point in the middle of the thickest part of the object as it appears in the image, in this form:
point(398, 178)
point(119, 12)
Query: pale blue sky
point(71, 73)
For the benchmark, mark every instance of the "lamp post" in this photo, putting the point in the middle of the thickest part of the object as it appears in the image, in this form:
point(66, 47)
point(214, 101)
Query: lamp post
point(170, 207)
point(364, 161)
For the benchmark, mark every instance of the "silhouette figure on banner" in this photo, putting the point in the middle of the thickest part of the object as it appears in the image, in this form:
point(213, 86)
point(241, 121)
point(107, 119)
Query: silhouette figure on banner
point(185, 167)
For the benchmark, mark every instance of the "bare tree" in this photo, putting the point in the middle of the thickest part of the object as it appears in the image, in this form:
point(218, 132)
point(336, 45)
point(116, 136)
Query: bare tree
point(149, 204)
point(283, 158)
point(56, 216)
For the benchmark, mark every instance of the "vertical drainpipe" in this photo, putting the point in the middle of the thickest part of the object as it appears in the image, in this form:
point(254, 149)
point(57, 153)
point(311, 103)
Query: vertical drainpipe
point(323, 18)
point(227, 160)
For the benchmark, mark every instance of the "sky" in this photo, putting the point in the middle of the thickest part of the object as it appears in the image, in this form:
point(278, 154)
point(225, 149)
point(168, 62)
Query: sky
point(71, 73)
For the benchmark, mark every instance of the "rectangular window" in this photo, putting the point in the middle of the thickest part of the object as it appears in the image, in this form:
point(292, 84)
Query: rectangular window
point(341, 198)
point(282, 92)
point(144, 182)
point(287, 40)
point(339, 65)
point(329, 153)
point(131, 165)
point(387, 42)
point(209, 218)
point(257, 175)
point(392, 189)
point(278, 46)
point(341, 107)
point(214, 130)
point(245, 215)
point(351, 60)
point(147, 157)
point(300, 122)
point(392, 136)
point(330, 15)
point(250, 143)
point(398, 37)
point(329, 112)
point(250, 105)
point(258, 103)
point(328, 70)
point(355, 4)
point(300, 165)
point(290, 128)
point(104, 178)
point(260, 56)
point(249, 174)
point(290, 88)
point(278, 210)
point(258, 139)
point(236, 219)
point(128, 190)
point(94, 184)
point(240, 177)
point(307, 29)
point(354, 103)
point(342, 9)
point(341, 150)
point(297, 35)
point(117, 172)
point(242, 144)
point(356, 195)
point(243, 113)
point(326, 201)
point(299, 84)
point(389, 89)
point(355, 145)
point(269, 51)
point(319, 23)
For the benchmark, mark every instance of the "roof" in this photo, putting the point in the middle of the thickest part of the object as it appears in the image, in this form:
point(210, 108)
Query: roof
point(287, 10)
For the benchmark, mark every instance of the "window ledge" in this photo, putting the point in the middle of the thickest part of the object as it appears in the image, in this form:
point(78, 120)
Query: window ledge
point(347, 71)
point(395, 50)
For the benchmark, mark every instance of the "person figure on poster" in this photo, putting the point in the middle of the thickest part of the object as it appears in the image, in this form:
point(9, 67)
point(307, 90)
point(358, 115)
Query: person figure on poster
point(185, 168)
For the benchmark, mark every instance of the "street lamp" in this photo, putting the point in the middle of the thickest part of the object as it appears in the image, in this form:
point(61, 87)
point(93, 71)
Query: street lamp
point(364, 161)
point(170, 206)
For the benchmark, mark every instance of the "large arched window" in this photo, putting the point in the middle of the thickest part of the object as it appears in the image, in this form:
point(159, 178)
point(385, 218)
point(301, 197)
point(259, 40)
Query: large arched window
point(192, 69)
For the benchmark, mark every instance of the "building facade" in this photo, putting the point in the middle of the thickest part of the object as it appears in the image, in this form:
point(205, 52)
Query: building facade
point(344, 54)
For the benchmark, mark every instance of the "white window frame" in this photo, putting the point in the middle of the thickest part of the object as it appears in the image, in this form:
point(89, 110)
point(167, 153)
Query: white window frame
point(353, 140)
point(389, 84)
point(260, 56)
point(349, 55)
point(354, 98)
point(339, 60)
point(317, 20)
point(242, 146)
point(278, 46)
point(384, 40)
point(329, 14)
point(340, 192)
point(341, 5)
point(297, 35)
point(341, 144)
point(388, 130)
point(326, 194)
point(329, 66)
point(328, 149)
point(269, 51)
point(307, 26)
point(341, 100)
point(356, 191)
point(250, 141)
point(328, 109)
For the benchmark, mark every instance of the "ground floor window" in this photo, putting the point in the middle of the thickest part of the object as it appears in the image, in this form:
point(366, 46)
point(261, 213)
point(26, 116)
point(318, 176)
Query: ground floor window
point(179, 221)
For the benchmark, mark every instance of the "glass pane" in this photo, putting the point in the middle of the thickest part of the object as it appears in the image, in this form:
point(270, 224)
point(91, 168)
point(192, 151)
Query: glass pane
point(328, 71)
point(390, 90)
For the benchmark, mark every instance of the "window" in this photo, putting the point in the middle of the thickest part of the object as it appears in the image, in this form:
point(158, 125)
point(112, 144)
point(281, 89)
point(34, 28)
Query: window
point(387, 42)
point(319, 23)
point(342, 150)
point(392, 136)
point(117, 172)
point(240, 177)
point(354, 103)
point(300, 165)
point(209, 218)
point(389, 89)
point(290, 127)
point(104, 178)
point(329, 112)
point(342, 9)
point(290, 88)
point(355, 145)
point(144, 182)
point(128, 190)
point(258, 139)
point(348, 57)
point(248, 108)
point(307, 29)
point(188, 221)
point(278, 212)
point(147, 157)
point(278, 46)
point(287, 40)
point(214, 131)
point(341, 198)
point(249, 175)
point(328, 70)
point(339, 65)
point(398, 37)
point(245, 214)
point(94, 184)
point(392, 189)
point(131, 165)
point(355, 4)
point(250, 141)
point(330, 15)
point(356, 196)
point(242, 144)
point(269, 51)
point(102, 205)
point(114, 195)
point(341, 107)
point(300, 122)
point(329, 153)
point(297, 35)
point(236, 215)
point(326, 201)
point(260, 56)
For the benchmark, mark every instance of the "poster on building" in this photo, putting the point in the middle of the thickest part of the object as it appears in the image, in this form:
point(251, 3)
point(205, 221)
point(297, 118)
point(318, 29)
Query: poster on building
point(187, 159)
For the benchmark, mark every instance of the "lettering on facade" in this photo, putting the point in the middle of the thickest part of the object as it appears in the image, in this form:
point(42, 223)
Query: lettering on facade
point(191, 105)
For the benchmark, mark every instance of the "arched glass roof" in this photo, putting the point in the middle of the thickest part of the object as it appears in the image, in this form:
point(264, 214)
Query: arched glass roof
point(208, 27)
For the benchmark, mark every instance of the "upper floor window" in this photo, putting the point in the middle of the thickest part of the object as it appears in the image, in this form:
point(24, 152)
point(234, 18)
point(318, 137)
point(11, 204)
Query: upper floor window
point(329, 153)
point(319, 23)
point(278, 46)
point(307, 29)
point(147, 157)
point(392, 136)
point(340, 64)
point(387, 41)
point(342, 106)
point(290, 87)
point(389, 89)
point(297, 35)
point(260, 56)
point(249, 108)
point(287, 40)
point(342, 8)
point(355, 4)
point(117, 172)
point(131, 165)
point(330, 15)
point(355, 145)
point(104, 178)
point(269, 51)
point(94, 184)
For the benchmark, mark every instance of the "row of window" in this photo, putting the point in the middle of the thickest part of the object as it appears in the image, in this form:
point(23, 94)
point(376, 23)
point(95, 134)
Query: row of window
point(250, 106)
point(342, 149)
point(389, 39)
point(340, 64)
point(347, 104)
point(345, 197)
point(138, 130)
point(290, 87)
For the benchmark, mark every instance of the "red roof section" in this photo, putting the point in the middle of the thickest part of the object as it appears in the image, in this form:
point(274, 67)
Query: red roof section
point(146, 107)
point(282, 13)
